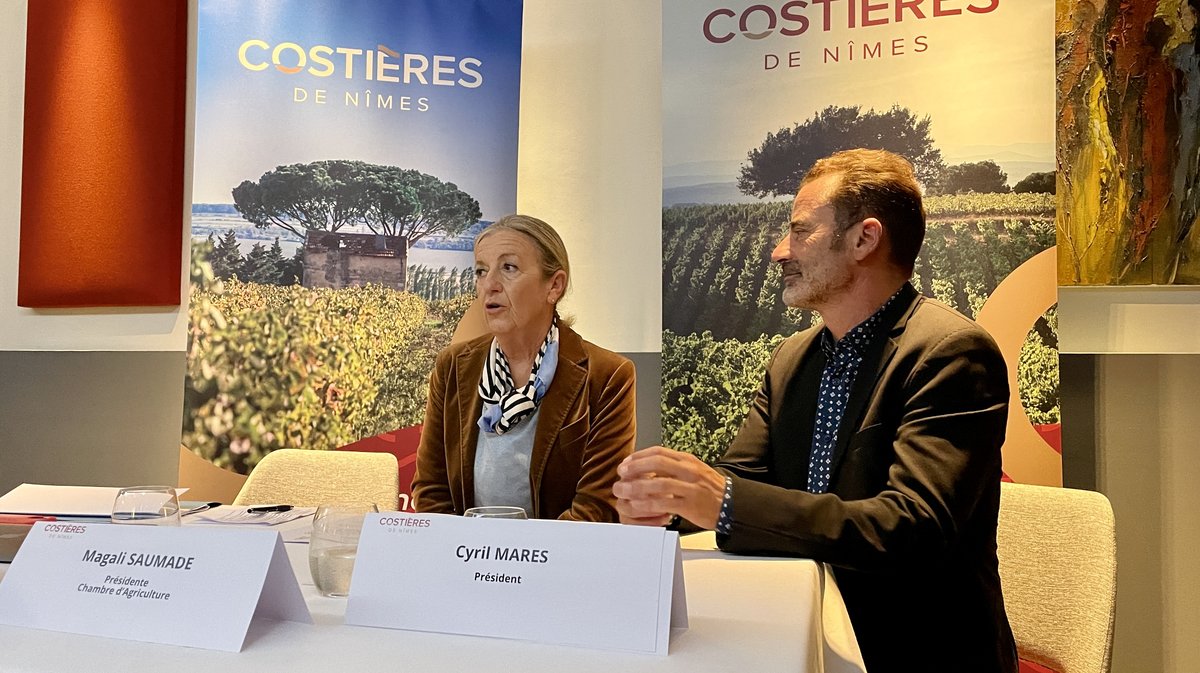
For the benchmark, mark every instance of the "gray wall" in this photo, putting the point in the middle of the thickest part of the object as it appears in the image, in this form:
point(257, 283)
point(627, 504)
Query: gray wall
point(1129, 432)
point(649, 387)
point(90, 418)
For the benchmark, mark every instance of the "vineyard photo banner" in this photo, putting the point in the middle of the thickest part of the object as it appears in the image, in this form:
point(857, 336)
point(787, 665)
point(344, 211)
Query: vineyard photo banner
point(783, 84)
point(346, 154)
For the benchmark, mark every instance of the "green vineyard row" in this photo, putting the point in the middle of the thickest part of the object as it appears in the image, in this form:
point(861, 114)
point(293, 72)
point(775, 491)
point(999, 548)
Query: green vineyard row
point(717, 275)
point(723, 316)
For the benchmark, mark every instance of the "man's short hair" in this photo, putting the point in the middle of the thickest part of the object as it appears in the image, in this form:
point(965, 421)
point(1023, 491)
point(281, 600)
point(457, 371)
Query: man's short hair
point(879, 184)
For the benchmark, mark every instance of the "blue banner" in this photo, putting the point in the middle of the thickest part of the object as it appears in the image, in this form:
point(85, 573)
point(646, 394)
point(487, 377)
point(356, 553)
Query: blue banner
point(346, 154)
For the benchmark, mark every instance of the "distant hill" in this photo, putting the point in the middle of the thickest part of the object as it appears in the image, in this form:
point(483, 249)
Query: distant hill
point(727, 192)
point(463, 241)
point(701, 171)
point(701, 182)
point(1019, 170)
point(1017, 160)
point(713, 192)
point(214, 208)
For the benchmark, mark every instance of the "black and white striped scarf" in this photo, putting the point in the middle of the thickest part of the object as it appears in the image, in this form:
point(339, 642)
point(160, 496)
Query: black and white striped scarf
point(509, 404)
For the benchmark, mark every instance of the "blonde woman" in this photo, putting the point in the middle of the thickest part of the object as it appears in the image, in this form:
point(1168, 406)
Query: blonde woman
point(530, 415)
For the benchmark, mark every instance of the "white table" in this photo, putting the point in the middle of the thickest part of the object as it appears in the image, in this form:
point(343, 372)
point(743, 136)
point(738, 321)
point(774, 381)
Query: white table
point(758, 614)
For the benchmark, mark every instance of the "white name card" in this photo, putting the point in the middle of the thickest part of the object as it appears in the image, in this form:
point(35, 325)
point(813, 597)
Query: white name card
point(587, 584)
point(150, 583)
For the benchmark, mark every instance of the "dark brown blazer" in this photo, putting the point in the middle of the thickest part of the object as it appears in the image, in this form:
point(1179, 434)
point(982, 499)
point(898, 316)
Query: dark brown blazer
point(909, 522)
point(585, 429)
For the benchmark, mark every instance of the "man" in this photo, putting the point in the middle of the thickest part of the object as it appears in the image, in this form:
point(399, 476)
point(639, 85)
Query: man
point(874, 442)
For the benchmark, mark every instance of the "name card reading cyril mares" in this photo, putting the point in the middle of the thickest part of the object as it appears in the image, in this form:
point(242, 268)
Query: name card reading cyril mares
point(587, 584)
point(148, 582)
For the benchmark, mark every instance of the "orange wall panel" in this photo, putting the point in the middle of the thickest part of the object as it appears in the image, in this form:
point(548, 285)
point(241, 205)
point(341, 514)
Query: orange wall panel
point(102, 171)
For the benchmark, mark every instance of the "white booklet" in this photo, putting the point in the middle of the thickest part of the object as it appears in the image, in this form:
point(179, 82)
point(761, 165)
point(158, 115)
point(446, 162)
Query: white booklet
point(96, 501)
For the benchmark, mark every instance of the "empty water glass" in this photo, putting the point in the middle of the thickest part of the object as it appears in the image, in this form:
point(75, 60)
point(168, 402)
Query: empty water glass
point(146, 505)
point(496, 512)
point(333, 546)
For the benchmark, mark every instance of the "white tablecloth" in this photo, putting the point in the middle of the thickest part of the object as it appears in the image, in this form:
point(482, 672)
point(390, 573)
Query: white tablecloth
point(756, 614)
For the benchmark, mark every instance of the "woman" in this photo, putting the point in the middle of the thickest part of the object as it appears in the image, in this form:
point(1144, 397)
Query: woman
point(530, 415)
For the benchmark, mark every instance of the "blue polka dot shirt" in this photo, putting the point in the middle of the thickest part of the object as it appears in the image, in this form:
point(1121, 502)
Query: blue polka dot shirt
point(842, 360)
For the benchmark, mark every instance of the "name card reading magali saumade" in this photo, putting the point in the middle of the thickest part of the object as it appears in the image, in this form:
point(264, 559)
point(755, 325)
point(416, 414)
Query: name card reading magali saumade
point(150, 583)
point(587, 584)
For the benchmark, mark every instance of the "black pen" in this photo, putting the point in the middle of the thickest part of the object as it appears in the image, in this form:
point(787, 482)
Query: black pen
point(263, 509)
point(200, 508)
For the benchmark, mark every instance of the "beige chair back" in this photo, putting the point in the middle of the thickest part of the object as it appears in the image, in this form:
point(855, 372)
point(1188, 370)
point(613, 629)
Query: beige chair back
point(1058, 568)
point(309, 478)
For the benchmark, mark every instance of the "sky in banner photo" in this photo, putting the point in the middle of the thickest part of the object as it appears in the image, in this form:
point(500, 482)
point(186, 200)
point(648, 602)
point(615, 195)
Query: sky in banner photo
point(978, 68)
point(287, 81)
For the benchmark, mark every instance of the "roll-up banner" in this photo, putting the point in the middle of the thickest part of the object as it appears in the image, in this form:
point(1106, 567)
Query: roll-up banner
point(346, 154)
point(754, 92)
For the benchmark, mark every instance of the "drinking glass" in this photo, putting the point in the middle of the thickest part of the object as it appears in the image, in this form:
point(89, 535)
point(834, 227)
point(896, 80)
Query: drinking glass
point(496, 512)
point(334, 545)
point(146, 505)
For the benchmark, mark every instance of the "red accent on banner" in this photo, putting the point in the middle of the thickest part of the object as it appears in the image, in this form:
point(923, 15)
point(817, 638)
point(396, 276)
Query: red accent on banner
point(1030, 667)
point(1051, 434)
point(400, 443)
point(102, 184)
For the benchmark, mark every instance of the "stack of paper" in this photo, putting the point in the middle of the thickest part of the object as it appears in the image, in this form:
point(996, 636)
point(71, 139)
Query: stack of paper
point(62, 501)
point(240, 516)
point(59, 500)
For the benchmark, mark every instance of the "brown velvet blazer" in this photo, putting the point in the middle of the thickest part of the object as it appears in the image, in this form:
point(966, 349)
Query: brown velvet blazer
point(586, 427)
point(909, 522)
